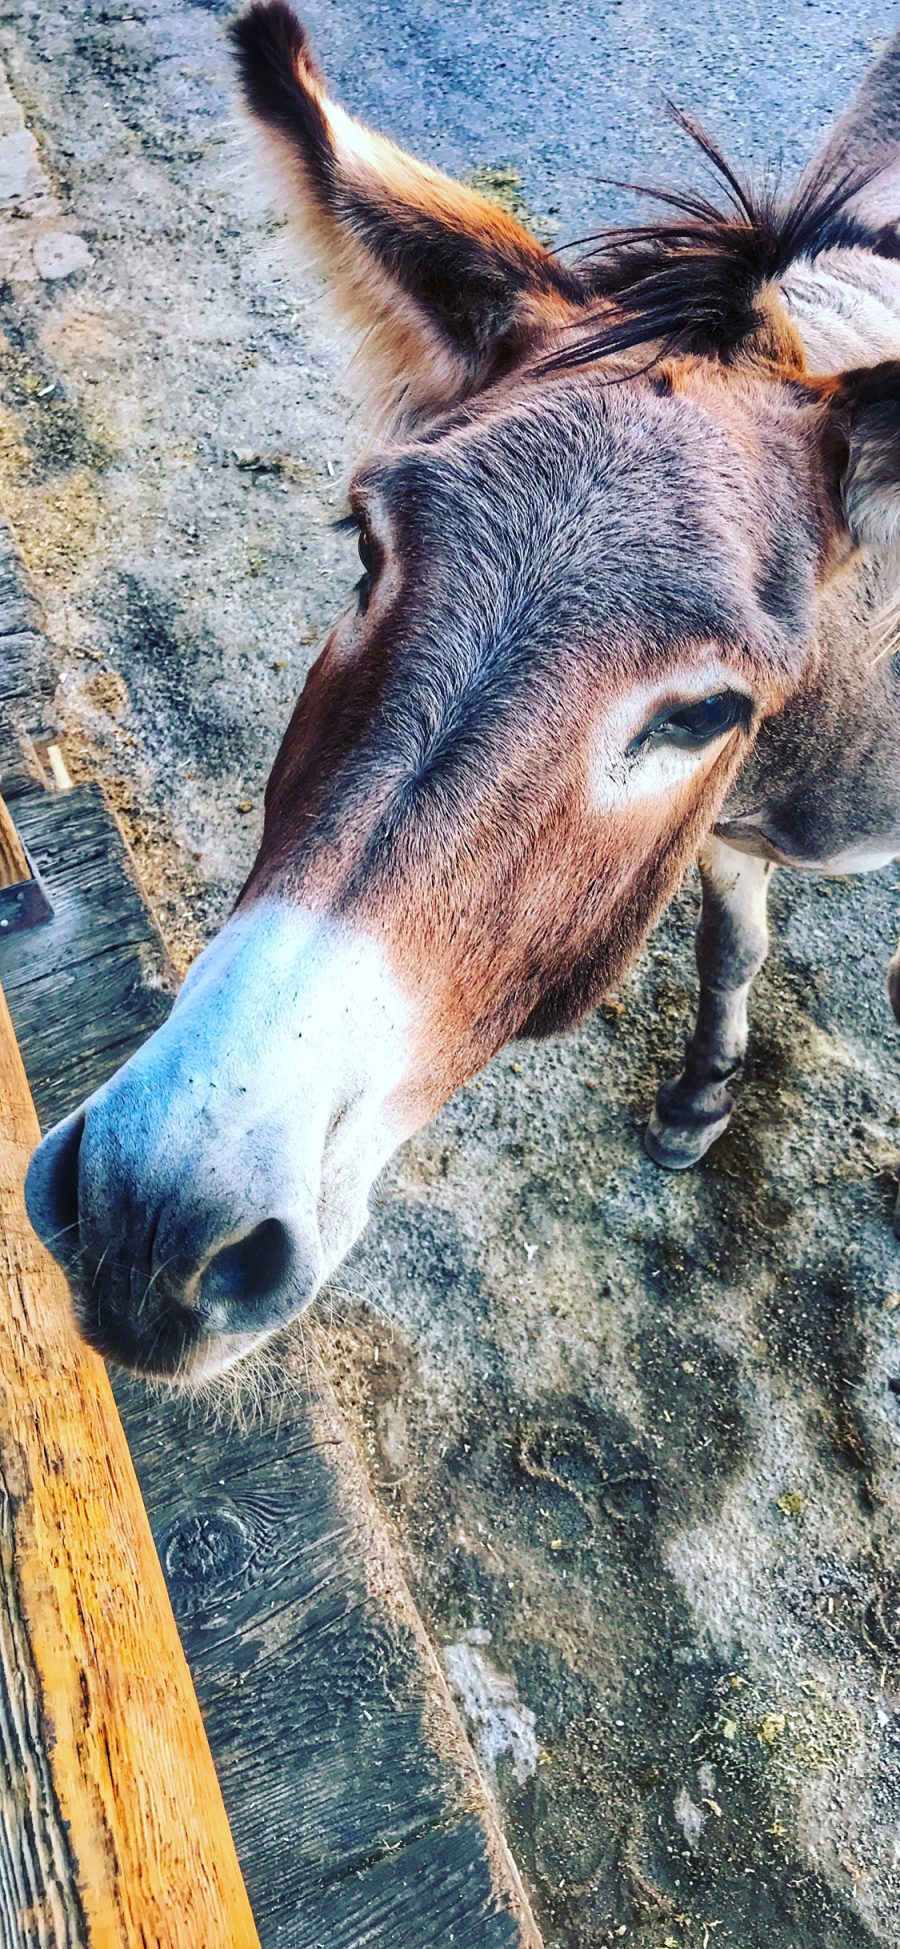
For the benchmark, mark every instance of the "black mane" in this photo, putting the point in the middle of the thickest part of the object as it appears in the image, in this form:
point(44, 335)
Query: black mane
point(690, 282)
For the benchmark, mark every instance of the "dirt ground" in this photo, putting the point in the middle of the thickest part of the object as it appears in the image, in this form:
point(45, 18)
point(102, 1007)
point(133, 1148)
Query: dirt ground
point(637, 1435)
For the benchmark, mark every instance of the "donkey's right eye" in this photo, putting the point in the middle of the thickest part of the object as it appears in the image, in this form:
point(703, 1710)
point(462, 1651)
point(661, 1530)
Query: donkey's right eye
point(696, 724)
point(366, 548)
point(709, 718)
point(355, 522)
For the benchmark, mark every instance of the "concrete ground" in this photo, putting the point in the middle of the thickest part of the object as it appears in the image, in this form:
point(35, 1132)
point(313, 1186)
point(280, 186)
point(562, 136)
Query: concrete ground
point(637, 1435)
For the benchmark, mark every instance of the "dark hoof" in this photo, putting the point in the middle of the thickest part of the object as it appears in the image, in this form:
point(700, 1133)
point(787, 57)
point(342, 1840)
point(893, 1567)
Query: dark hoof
point(677, 1136)
point(678, 1149)
point(893, 984)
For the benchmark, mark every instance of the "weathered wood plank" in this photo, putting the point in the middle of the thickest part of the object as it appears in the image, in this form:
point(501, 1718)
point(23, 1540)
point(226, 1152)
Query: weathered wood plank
point(341, 1766)
point(39, 1899)
point(27, 673)
point(426, 1899)
point(86, 990)
point(19, 609)
point(114, 1829)
point(24, 667)
point(20, 767)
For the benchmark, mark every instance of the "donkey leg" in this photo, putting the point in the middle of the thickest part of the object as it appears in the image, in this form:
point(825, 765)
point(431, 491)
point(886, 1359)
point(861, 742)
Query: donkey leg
point(732, 943)
point(893, 982)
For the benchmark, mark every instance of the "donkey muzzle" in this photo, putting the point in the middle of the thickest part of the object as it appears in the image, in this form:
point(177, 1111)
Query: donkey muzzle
point(198, 1200)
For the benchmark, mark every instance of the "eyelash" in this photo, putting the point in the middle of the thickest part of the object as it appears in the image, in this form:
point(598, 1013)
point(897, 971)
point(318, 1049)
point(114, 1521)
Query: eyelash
point(366, 548)
point(354, 523)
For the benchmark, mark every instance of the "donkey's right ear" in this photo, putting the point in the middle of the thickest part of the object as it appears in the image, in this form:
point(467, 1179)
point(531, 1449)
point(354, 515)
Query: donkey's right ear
point(445, 286)
point(864, 418)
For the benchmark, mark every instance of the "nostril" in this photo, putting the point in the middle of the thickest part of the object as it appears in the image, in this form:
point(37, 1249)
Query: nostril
point(51, 1187)
point(243, 1279)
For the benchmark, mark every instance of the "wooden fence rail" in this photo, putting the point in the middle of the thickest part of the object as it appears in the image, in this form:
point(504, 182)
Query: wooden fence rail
point(13, 863)
point(112, 1828)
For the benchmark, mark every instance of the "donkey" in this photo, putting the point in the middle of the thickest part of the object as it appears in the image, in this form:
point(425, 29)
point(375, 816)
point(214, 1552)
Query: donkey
point(628, 541)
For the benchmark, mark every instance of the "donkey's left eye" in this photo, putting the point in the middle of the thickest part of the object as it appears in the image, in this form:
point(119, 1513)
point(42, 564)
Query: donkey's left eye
point(696, 724)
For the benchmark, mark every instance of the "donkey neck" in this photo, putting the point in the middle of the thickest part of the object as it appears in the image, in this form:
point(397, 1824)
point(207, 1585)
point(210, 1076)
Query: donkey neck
point(821, 788)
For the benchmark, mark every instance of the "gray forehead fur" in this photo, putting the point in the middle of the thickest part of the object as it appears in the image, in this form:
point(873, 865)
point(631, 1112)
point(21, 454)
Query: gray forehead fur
point(579, 518)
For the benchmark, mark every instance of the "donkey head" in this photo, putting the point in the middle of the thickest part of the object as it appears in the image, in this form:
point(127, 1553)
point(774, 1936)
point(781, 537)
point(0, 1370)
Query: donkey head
point(590, 537)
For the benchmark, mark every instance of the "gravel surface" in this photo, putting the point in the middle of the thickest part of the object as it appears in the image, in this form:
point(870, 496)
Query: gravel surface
point(637, 1434)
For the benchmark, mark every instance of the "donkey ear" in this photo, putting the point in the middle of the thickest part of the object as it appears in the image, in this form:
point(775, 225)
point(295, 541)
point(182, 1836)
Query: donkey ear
point(443, 285)
point(864, 412)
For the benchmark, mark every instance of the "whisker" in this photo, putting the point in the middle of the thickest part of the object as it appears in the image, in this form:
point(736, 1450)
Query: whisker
point(61, 1233)
point(151, 1283)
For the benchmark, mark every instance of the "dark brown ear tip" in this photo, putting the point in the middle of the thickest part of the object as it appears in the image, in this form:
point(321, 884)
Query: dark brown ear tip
point(279, 78)
point(268, 34)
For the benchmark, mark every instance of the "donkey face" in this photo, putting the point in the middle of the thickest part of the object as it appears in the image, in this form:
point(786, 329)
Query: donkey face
point(516, 734)
point(578, 601)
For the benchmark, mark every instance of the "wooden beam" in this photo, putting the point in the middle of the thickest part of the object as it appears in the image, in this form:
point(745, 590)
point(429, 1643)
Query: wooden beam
point(23, 902)
point(113, 1833)
point(20, 765)
point(14, 867)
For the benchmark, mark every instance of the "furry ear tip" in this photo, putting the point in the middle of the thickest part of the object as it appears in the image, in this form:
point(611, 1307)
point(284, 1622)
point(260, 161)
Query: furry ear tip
point(268, 28)
point(275, 63)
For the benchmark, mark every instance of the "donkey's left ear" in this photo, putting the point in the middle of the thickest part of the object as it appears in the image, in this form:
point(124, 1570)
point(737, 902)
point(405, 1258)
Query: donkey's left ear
point(864, 418)
point(444, 286)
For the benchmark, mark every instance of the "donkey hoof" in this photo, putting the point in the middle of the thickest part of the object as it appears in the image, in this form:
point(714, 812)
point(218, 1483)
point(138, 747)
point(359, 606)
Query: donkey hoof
point(675, 1147)
point(679, 1134)
point(893, 985)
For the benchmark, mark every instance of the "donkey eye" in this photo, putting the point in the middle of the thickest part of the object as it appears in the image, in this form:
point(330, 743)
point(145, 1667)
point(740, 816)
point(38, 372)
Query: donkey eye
point(697, 724)
point(352, 523)
point(366, 548)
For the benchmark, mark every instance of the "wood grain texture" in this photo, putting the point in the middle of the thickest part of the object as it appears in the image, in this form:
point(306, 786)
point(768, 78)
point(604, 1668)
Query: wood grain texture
point(114, 1832)
point(20, 766)
point(14, 866)
point(26, 663)
point(338, 1759)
